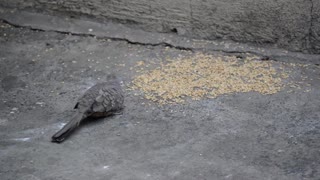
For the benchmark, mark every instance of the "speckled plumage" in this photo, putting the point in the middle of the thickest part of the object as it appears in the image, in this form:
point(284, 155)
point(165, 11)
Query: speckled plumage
point(101, 100)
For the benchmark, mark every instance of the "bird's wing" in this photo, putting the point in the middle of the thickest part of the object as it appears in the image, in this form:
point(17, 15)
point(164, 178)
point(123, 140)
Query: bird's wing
point(102, 103)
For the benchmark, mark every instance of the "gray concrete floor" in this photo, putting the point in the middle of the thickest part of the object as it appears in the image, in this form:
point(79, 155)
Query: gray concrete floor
point(239, 136)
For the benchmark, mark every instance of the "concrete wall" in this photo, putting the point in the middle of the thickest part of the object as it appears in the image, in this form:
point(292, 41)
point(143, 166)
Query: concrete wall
point(289, 24)
point(315, 29)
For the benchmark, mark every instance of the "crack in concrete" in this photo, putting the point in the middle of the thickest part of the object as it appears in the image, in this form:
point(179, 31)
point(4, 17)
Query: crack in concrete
point(273, 56)
point(165, 44)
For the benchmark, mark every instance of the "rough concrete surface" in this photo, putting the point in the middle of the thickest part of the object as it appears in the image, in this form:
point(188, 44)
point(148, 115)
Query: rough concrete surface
point(315, 30)
point(120, 32)
point(239, 136)
point(290, 24)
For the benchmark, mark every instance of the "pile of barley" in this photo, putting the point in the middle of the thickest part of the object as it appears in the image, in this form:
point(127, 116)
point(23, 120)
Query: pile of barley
point(208, 76)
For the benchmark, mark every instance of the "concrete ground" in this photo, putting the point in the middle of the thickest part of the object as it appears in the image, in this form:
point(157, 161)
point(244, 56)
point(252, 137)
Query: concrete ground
point(239, 136)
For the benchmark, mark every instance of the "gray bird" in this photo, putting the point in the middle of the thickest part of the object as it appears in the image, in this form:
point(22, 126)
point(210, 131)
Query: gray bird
point(101, 100)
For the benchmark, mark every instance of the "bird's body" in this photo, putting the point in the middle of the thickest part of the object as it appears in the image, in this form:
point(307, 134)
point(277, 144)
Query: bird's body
point(101, 100)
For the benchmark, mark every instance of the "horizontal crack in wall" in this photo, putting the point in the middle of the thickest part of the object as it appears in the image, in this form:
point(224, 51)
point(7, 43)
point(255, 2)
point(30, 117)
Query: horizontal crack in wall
point(165, 44)
point(189, 47)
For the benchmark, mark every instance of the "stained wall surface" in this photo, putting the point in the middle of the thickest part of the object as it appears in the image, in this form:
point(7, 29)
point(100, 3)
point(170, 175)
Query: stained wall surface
point(288, 24)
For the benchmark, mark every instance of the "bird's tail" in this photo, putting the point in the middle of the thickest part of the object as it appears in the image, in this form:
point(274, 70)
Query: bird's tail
point(62, 134)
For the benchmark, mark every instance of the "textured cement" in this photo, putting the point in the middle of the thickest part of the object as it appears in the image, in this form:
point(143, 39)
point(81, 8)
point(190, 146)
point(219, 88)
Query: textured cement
point(245, 136)
point(290, 24)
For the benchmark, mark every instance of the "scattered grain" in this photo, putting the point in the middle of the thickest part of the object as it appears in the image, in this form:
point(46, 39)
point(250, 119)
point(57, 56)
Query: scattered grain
point(208, 76)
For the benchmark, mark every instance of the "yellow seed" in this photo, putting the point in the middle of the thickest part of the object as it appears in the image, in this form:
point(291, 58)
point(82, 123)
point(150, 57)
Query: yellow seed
point(209, 76)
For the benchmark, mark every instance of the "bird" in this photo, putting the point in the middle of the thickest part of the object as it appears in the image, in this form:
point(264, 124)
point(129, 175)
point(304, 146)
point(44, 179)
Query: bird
point(101, 100)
